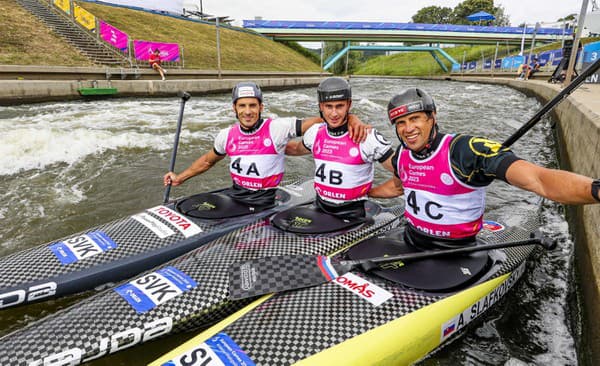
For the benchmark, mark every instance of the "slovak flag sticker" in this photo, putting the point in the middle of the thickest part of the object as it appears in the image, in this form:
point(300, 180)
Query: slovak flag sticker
point(449, 329)
point(492, 225)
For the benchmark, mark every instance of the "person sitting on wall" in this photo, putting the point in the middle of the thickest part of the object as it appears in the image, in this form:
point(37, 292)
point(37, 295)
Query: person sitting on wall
point(155, 63)
point(533, 68)
point(522, 71)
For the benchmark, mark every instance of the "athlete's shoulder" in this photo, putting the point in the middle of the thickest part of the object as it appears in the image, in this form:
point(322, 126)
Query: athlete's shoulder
point(282, 120)
point(377, 137)
point(312, 130)
point(479, 146)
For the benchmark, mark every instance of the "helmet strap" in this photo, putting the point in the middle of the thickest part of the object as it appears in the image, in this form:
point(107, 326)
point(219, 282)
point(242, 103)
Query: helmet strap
point(434, 130)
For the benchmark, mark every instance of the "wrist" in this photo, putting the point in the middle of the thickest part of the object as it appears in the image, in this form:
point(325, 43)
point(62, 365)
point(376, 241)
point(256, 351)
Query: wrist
point(596, 189)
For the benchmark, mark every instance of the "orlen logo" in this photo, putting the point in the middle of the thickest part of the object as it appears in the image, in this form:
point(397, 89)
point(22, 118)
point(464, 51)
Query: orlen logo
point(186, 227)
point(363, 288)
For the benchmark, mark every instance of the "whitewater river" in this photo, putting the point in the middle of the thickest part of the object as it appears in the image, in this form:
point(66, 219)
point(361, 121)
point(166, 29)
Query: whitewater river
point(65, 167)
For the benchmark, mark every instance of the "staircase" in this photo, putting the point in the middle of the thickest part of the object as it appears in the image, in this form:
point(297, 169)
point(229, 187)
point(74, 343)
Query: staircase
point(94, 49)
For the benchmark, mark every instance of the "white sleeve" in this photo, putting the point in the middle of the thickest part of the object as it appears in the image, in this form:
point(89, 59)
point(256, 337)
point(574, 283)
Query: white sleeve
point(282, 130)
point(221, 142)
point(375, 146)
point(310, 135)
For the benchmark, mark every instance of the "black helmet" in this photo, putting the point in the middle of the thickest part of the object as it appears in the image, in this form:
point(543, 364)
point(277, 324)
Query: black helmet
point(246, 89)
point(408, 101)
point(334, 88)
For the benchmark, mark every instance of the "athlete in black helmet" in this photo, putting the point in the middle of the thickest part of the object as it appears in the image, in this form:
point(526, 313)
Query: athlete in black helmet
point(443, 176)
point(343, 168)
point(257, 164)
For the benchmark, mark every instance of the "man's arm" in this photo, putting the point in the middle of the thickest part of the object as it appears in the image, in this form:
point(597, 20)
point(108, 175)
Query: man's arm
point(309, 122)
point(199, 166)
point(557, 185)
point(295, 148)
point(389, 189)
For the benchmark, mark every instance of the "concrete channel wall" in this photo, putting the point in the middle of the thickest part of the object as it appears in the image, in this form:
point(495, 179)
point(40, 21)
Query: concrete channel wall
point(31, 84)
point(578, 132)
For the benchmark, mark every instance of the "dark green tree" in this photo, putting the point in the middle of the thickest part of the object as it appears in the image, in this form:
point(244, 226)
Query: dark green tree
point(468, 7)
point(570, 17)
point(433, 15)
point(502, 19)
point(458, 15)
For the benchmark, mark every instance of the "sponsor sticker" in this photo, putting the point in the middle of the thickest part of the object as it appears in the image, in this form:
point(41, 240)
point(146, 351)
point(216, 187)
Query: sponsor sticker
point(219, 350)
point(155, 288)
point(326, 268)
point(246, 91)
point(363, 288)
point(177, 220)
point(81, 247)
point(469, 314)
point(492, 225)
point(155, 225)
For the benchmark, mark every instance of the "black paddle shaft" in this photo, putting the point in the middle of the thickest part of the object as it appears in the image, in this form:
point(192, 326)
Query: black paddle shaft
point(552, 103)
point(185, 96)
point(282, 273)
point(372, 263)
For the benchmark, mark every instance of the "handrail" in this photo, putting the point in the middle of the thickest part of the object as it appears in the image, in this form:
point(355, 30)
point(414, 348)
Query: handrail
point(115, 51)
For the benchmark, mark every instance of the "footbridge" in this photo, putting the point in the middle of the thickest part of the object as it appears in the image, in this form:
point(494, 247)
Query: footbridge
point(400, 32)
point(307, 31)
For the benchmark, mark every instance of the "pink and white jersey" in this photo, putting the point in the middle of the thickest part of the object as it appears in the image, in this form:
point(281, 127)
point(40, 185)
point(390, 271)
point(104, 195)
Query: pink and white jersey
point(256, 162)
point(437, 203)
point(343, 169)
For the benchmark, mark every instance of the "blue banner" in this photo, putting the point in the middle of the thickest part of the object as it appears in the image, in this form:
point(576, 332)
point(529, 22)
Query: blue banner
point(591, 52)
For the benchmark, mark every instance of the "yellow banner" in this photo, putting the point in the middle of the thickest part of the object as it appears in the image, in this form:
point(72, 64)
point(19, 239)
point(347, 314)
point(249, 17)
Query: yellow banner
point(63, 5)
point(85, 18)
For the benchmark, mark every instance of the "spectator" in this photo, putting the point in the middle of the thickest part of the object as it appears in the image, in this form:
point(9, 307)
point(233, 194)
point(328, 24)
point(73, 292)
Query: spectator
point(522, 71)
point(154, 61)
point(533, 68)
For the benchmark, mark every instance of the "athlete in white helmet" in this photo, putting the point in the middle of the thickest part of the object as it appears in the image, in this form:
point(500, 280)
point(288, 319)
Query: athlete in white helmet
point(256, 147)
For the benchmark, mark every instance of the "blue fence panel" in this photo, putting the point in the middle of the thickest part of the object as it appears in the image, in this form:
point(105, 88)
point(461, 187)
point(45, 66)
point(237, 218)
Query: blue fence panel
point(557, 56)
point(498, 63)
point(512, 62)
point(487, 64)
point(591, 52)
point(544, 58)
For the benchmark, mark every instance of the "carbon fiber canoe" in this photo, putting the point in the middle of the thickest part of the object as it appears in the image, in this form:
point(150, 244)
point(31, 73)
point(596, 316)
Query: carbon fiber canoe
point(122, 248)
point(359, 318)
point(189, 292)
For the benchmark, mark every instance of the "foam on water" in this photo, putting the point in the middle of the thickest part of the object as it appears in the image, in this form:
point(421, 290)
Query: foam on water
point(69, 132)
point(31, 148)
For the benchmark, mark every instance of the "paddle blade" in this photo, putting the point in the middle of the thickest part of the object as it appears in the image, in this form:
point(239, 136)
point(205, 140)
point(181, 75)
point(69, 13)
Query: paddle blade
point(274, 274)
